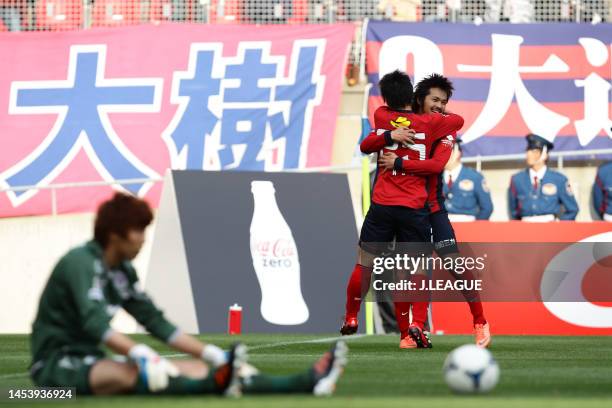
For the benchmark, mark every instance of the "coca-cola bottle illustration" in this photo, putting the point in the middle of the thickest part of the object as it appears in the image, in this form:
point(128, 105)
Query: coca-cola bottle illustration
point(275, 260)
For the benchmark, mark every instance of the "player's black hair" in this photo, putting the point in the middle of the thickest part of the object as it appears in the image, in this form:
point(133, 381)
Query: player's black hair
point(424, 86)
point(396, 90)
point(119, 215)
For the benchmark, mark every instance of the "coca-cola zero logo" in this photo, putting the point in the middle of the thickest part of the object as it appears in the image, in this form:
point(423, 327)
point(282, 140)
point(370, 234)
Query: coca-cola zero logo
point(275, 253)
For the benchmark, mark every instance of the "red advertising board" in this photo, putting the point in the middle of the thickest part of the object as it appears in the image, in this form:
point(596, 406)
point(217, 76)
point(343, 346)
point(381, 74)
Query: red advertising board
point(535, 318)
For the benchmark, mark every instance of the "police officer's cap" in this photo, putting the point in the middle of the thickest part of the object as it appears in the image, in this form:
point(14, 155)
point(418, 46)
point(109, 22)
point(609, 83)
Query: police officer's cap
point(458, 142)
point(538, 142)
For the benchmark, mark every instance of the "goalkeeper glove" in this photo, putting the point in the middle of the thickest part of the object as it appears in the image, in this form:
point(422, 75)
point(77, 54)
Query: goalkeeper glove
point(153, 370)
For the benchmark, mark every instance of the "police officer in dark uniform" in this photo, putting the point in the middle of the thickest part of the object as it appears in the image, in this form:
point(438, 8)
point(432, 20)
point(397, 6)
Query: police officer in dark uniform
point(602, 192)
point(538, 194)
point(465, 189)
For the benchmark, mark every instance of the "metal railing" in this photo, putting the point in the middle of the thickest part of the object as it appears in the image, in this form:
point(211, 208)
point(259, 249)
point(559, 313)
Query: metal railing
point(54, 15)
point(60, 15)
point(78, 184)
point(560, 156)
point(356, 165)
point(85, 184)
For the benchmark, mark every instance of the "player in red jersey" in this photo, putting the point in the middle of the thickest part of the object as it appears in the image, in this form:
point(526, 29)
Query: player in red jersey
point(431, 95)
point(399, 198)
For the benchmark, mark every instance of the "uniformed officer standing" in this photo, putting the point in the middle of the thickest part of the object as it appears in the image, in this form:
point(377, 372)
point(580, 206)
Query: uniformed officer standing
point(538, 194)
point(466, 192)
point(602, 192)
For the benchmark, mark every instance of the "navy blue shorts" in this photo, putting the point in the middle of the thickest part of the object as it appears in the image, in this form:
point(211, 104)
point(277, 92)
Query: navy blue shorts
point(444, 239)
point(385, 224)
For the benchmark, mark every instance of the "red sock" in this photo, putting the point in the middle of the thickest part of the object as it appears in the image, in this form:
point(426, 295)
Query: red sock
point(357, 288)
point(402, 315)
point(419, 307)
point(473, 299)
point(477, 312)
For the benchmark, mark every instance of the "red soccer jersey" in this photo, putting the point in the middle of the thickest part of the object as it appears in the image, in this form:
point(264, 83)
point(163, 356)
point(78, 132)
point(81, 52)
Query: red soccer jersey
point(405, 188)
point(432, 168)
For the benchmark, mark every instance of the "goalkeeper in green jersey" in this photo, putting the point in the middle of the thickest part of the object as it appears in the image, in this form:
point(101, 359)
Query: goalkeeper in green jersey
point(92, 282)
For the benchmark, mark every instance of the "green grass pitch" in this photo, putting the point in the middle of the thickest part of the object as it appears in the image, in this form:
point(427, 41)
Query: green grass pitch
point(568, 372)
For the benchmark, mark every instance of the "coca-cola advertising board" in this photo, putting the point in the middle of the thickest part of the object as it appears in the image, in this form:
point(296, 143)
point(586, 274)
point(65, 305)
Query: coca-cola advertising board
point(281, 245)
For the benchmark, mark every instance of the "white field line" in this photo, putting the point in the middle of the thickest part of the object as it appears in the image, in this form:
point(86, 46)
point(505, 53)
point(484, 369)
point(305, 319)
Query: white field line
point(289, 343)
point(259, 347)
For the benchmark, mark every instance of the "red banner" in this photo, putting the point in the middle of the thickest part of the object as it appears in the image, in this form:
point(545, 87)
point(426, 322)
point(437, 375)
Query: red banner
point(510, 79)
point(131, 102)
point(533, 318)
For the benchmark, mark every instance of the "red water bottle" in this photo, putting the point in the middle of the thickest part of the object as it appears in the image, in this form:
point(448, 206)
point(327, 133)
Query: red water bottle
point(234, 319)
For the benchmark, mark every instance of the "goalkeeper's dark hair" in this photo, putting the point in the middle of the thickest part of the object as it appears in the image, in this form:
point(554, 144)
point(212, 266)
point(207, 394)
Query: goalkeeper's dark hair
point(119, 215)
point(396, 90)
point(424, 86)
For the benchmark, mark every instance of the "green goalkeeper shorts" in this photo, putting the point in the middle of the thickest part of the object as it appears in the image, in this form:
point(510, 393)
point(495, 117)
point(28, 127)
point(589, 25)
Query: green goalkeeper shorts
point(65, 370)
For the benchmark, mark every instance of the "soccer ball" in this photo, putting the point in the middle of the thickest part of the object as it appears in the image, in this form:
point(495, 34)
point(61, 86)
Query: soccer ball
point(471, 369)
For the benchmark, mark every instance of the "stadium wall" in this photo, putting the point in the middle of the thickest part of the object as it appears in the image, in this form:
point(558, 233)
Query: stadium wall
point(31, 246)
